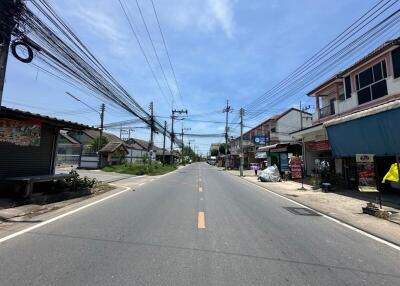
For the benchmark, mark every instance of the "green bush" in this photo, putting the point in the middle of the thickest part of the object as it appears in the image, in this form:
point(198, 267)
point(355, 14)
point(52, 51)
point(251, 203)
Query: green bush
point(80, 183)
point(156, 168)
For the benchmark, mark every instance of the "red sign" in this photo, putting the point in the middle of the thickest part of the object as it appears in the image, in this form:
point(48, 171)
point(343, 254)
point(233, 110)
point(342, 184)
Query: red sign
point(318, 145)
point(295, 168)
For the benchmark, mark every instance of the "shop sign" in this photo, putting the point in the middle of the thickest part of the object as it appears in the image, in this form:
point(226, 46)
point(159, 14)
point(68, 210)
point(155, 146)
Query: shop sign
point(260, 140)
point(318, 145)
point(364, 158)
point(284, 161)
point(254, 166)
point(20, 132)
point(366, 173)
point(277, 150)
point(295, 167)
point(261, 155)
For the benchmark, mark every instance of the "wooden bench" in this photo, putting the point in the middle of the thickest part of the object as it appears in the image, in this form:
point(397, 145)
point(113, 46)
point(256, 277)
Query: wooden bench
point(28, 181)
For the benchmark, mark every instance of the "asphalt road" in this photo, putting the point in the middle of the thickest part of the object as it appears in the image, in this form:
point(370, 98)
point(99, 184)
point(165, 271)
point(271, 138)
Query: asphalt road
point(156, 235)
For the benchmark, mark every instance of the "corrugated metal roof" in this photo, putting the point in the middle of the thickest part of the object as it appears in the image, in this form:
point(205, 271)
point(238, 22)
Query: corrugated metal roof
point(112, 146)
point(50, 120)
point(64, 134)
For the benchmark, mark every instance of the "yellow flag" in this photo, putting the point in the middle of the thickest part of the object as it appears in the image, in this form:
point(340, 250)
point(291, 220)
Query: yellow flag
point(392, 175)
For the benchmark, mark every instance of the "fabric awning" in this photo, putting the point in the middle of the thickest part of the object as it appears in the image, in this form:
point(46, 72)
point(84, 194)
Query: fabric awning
point(376, 132)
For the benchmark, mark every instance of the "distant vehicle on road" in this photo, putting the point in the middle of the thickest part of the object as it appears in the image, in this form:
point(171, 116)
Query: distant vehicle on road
point(212, 160)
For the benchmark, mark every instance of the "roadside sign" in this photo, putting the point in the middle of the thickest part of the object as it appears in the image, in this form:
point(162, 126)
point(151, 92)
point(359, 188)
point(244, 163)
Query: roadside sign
point(366, 173)
point(260, 140)
point(295, 167)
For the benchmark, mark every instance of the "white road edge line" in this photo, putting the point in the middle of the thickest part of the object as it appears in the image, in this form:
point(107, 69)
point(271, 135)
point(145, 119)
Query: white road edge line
point(18, 233)
point(335, 220)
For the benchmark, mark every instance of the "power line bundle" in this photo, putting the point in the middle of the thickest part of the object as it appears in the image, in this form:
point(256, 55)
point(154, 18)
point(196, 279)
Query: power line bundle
point(377, 25)
point(52, 42)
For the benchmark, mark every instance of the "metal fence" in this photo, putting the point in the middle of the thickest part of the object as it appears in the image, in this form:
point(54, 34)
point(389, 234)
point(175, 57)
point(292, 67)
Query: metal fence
point(64, 159)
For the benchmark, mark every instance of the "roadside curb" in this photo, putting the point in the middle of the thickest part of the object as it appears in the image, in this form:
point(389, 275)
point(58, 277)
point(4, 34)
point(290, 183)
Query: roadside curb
point(323, 213)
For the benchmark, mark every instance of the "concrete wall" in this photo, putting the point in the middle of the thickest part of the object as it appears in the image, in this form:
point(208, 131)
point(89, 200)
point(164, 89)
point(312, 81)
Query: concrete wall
point(288, 123)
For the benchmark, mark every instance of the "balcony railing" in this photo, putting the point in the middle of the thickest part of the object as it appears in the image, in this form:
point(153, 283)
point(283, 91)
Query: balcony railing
point(326, 111)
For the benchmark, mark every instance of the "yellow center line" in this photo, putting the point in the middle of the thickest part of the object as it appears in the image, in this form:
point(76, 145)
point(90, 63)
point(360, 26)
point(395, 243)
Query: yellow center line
point(201, 221)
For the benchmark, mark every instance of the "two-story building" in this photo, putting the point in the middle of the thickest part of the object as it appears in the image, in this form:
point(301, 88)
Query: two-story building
point(271, 141)
point(357, 111)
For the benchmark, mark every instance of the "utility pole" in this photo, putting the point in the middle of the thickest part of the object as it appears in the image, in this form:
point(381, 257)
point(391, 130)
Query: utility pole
point(183, 145)
point(302, 110)
point(8, 10)
point(174, 111)
point(150, 146)
point(163, 150)
point(227, 109)
point(102, 109)
point(241, 142)
point(101, 113)
point(301, 117)
point(171, 159)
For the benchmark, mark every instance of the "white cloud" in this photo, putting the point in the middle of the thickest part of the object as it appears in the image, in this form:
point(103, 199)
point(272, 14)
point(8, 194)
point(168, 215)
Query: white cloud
point(222, 11)
point(206, 16)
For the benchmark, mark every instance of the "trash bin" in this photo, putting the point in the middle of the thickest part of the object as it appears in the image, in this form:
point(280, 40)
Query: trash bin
point(326, 187)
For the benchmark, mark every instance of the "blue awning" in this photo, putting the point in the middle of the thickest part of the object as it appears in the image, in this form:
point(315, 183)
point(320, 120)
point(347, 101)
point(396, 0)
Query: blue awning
point(377, 134)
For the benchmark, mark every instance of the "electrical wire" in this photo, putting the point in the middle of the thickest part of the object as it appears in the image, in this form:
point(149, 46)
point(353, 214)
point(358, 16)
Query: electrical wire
point(155, 51)
point(130, 22)
point(167, 53)
point(58, 47)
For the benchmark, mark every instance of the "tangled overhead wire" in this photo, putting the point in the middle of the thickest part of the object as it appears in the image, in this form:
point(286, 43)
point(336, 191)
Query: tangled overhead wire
point(40, 34)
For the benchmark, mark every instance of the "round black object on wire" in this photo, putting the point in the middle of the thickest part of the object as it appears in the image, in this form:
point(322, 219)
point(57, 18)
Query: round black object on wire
point(29, 50)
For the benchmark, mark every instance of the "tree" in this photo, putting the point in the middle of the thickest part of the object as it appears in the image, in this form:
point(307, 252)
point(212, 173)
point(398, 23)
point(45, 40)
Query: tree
point(214, 152)
point(96, 141)
point(222, 149)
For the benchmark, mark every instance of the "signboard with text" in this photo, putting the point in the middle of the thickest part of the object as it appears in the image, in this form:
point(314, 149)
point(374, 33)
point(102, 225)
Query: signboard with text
point(366, 173)
point(20, 132)
point(284, 161)
point(295, 167)
point(260, 140)
point(318, 145)
point(261, 155)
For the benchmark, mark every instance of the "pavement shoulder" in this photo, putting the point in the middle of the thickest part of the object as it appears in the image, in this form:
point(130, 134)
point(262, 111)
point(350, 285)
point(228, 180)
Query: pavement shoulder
point(18, 218)
point(342, 208)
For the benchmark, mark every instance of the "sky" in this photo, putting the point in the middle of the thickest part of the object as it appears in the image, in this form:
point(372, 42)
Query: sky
point(220, 50)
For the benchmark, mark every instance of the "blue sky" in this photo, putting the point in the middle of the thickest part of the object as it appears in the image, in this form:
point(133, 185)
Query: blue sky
point(220, 49)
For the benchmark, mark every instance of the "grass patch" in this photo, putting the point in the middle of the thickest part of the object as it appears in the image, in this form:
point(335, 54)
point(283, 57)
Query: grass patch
point(141, 169)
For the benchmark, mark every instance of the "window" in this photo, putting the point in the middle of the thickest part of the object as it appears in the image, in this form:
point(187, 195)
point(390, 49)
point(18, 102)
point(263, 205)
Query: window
point(371, 83)
point(273, 129)
point(396, 62)
point(347, 85)
point(366, 78)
